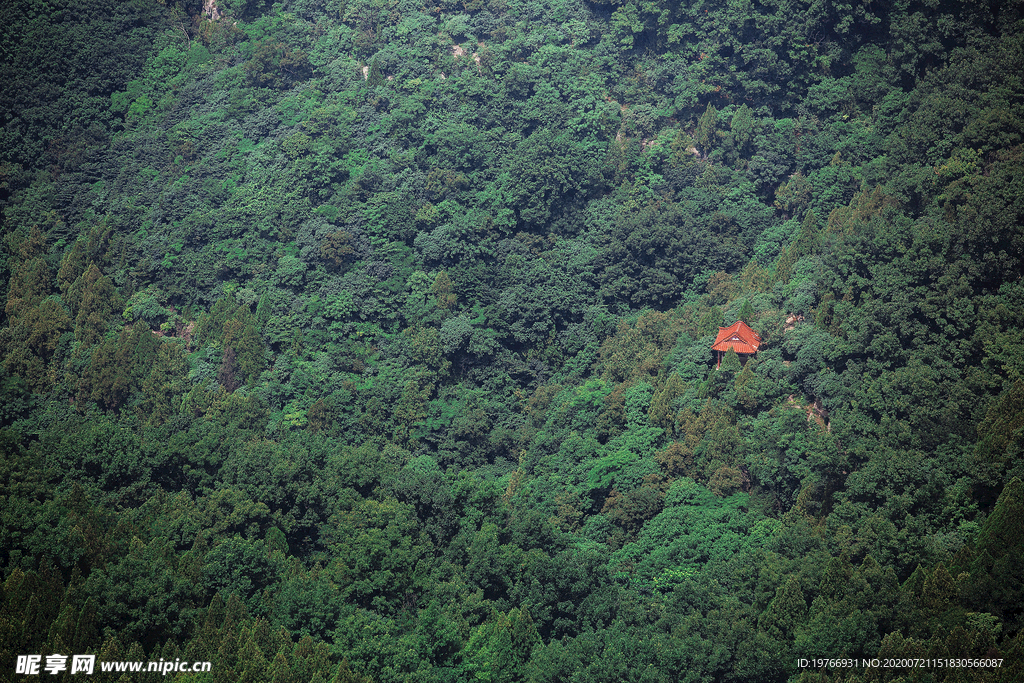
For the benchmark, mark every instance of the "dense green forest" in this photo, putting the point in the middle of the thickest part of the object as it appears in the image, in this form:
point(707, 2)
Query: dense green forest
point(370, 340)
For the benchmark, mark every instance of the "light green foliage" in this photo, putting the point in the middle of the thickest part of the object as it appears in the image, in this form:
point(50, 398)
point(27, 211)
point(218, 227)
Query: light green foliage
point(404, 374)
point(499, 649)
point(695, 529)
point(290, 271)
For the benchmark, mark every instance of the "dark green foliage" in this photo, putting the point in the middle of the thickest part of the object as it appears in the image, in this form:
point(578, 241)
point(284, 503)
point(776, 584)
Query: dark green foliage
point(353, 341)
point(274, 65)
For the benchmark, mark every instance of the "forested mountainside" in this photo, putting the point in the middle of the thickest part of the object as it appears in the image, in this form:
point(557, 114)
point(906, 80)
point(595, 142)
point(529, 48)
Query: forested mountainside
point(370, 340)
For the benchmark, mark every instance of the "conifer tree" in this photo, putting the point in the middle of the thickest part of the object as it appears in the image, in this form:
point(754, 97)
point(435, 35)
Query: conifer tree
point(836, 578)
point(785, 612)
point(99, 301)
point(706, 130)
point(996, 582)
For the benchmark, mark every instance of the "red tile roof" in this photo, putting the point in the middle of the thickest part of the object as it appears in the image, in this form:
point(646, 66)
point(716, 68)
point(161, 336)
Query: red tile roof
point(738, 337)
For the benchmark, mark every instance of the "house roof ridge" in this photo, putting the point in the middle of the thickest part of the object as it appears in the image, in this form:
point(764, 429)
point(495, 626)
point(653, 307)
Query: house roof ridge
point(738, 336)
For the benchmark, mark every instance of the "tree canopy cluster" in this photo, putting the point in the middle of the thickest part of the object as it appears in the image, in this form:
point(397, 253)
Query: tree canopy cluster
point(369, 340)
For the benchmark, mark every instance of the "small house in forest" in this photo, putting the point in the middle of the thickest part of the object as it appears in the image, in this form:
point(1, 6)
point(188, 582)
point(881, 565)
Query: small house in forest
point(738, 337)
